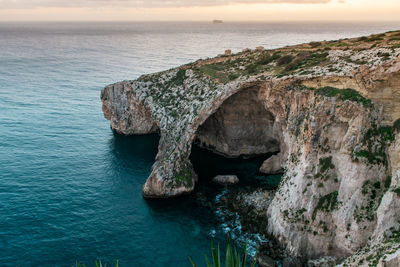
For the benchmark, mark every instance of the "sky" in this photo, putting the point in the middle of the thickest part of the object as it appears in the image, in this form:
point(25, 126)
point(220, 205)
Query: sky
point(199, 10)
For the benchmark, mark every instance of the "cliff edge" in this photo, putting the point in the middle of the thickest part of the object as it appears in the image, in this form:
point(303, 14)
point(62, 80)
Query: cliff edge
point(331, 110)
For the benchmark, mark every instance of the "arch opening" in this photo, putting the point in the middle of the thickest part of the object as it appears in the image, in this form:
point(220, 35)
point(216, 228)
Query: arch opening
point(236, 140)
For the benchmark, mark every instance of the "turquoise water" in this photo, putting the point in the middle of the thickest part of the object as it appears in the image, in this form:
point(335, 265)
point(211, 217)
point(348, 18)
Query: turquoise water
point(69, 188)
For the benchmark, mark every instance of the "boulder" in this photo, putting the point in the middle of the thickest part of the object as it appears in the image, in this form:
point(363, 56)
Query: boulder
point(273, 165)
point(226, 179)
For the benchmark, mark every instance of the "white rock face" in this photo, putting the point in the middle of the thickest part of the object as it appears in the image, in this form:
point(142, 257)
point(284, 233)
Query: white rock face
point(391, 260)
point(226, 179)
point(337, 150)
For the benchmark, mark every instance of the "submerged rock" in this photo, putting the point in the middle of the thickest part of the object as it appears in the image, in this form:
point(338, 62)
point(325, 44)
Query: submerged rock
point(226, 179)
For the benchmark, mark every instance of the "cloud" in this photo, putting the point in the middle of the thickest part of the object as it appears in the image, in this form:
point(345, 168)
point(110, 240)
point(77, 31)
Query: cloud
point(143, 3)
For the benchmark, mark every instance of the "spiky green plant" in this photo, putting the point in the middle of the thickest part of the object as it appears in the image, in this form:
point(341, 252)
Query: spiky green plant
point(232, 257)
point(96, 263)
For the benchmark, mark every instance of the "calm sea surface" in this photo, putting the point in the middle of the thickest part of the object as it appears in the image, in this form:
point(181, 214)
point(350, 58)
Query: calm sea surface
point(69, 188)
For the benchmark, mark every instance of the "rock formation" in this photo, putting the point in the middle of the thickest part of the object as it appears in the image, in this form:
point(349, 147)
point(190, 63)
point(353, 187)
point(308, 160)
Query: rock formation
point(226, 179)
point(330, 110)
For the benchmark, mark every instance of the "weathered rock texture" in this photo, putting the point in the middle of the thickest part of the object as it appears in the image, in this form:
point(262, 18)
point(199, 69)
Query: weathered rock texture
point(338, 147)
point(273, 165)
point(241, 126)
point(226, 179)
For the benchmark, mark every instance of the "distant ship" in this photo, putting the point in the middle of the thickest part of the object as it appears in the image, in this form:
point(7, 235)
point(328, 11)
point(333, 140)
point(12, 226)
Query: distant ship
point(217, 21)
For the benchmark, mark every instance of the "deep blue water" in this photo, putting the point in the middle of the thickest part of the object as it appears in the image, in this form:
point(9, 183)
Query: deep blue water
point(69, 188)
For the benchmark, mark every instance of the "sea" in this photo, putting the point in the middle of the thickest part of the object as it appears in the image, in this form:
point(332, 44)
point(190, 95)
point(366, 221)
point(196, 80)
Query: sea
point(70, 189)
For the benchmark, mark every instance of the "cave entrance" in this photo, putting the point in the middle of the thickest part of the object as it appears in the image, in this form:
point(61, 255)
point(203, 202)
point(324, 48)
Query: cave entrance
point(236, 140)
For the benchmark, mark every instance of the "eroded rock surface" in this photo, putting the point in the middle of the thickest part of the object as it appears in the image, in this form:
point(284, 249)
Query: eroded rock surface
point(226, 179)
point(241, 126)
point(273, 165)
point(330, 112)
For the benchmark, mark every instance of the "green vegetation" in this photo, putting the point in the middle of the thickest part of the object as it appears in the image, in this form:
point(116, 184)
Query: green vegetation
point(315, 44)
point(96, 263)
point(251, 69)
point(229, 69)
point(326, 163)
point(388, 181)
point(301, 61)
point(358, 61)
point(344, 94)
point(326, 203)
point(375, 142)
point(397, 191)
point(233, 76)
point(215, 71)
point(373, 193)
point(336, 44)
point(372, 38)
point(179, 78)
point(268, 58)
point(396, 125)
point(184, 177)
point(372, 254)
point(232, 257)
point(285, 60)
point(295, 216)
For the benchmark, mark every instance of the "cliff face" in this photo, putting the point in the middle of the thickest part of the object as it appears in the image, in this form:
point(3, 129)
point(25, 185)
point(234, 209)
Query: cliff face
point(330, 109)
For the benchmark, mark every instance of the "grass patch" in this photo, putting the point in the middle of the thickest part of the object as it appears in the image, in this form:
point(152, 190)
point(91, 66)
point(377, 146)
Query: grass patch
point(372, 38)
point(337, 44)
point(344, 94)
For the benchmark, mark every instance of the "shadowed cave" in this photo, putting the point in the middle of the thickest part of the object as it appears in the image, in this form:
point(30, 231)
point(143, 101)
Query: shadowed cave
point(236, 140)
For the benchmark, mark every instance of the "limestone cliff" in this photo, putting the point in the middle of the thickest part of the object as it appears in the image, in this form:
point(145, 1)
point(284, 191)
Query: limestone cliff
point(331, 110)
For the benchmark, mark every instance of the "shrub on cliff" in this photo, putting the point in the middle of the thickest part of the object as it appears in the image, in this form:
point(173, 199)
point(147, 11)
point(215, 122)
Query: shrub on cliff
point(267, 58)
point(285, 60)
point(232, 257)
point(396, 125)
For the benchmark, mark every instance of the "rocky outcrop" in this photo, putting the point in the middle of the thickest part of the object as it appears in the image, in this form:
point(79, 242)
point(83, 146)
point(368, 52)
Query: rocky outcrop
point(127, 114)
point(273, 165)
point(327, 111)
point(226, 179)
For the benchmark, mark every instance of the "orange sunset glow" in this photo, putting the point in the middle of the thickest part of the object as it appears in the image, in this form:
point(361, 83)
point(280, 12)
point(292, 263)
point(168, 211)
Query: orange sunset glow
point(335, 10)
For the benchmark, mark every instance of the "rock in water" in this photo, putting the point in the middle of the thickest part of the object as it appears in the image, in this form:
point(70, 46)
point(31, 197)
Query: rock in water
point(273, 165)
point(226, 179)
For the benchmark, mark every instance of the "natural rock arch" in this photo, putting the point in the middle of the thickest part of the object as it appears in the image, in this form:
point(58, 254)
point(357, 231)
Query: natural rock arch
point(333, 142)
point(241, 126)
